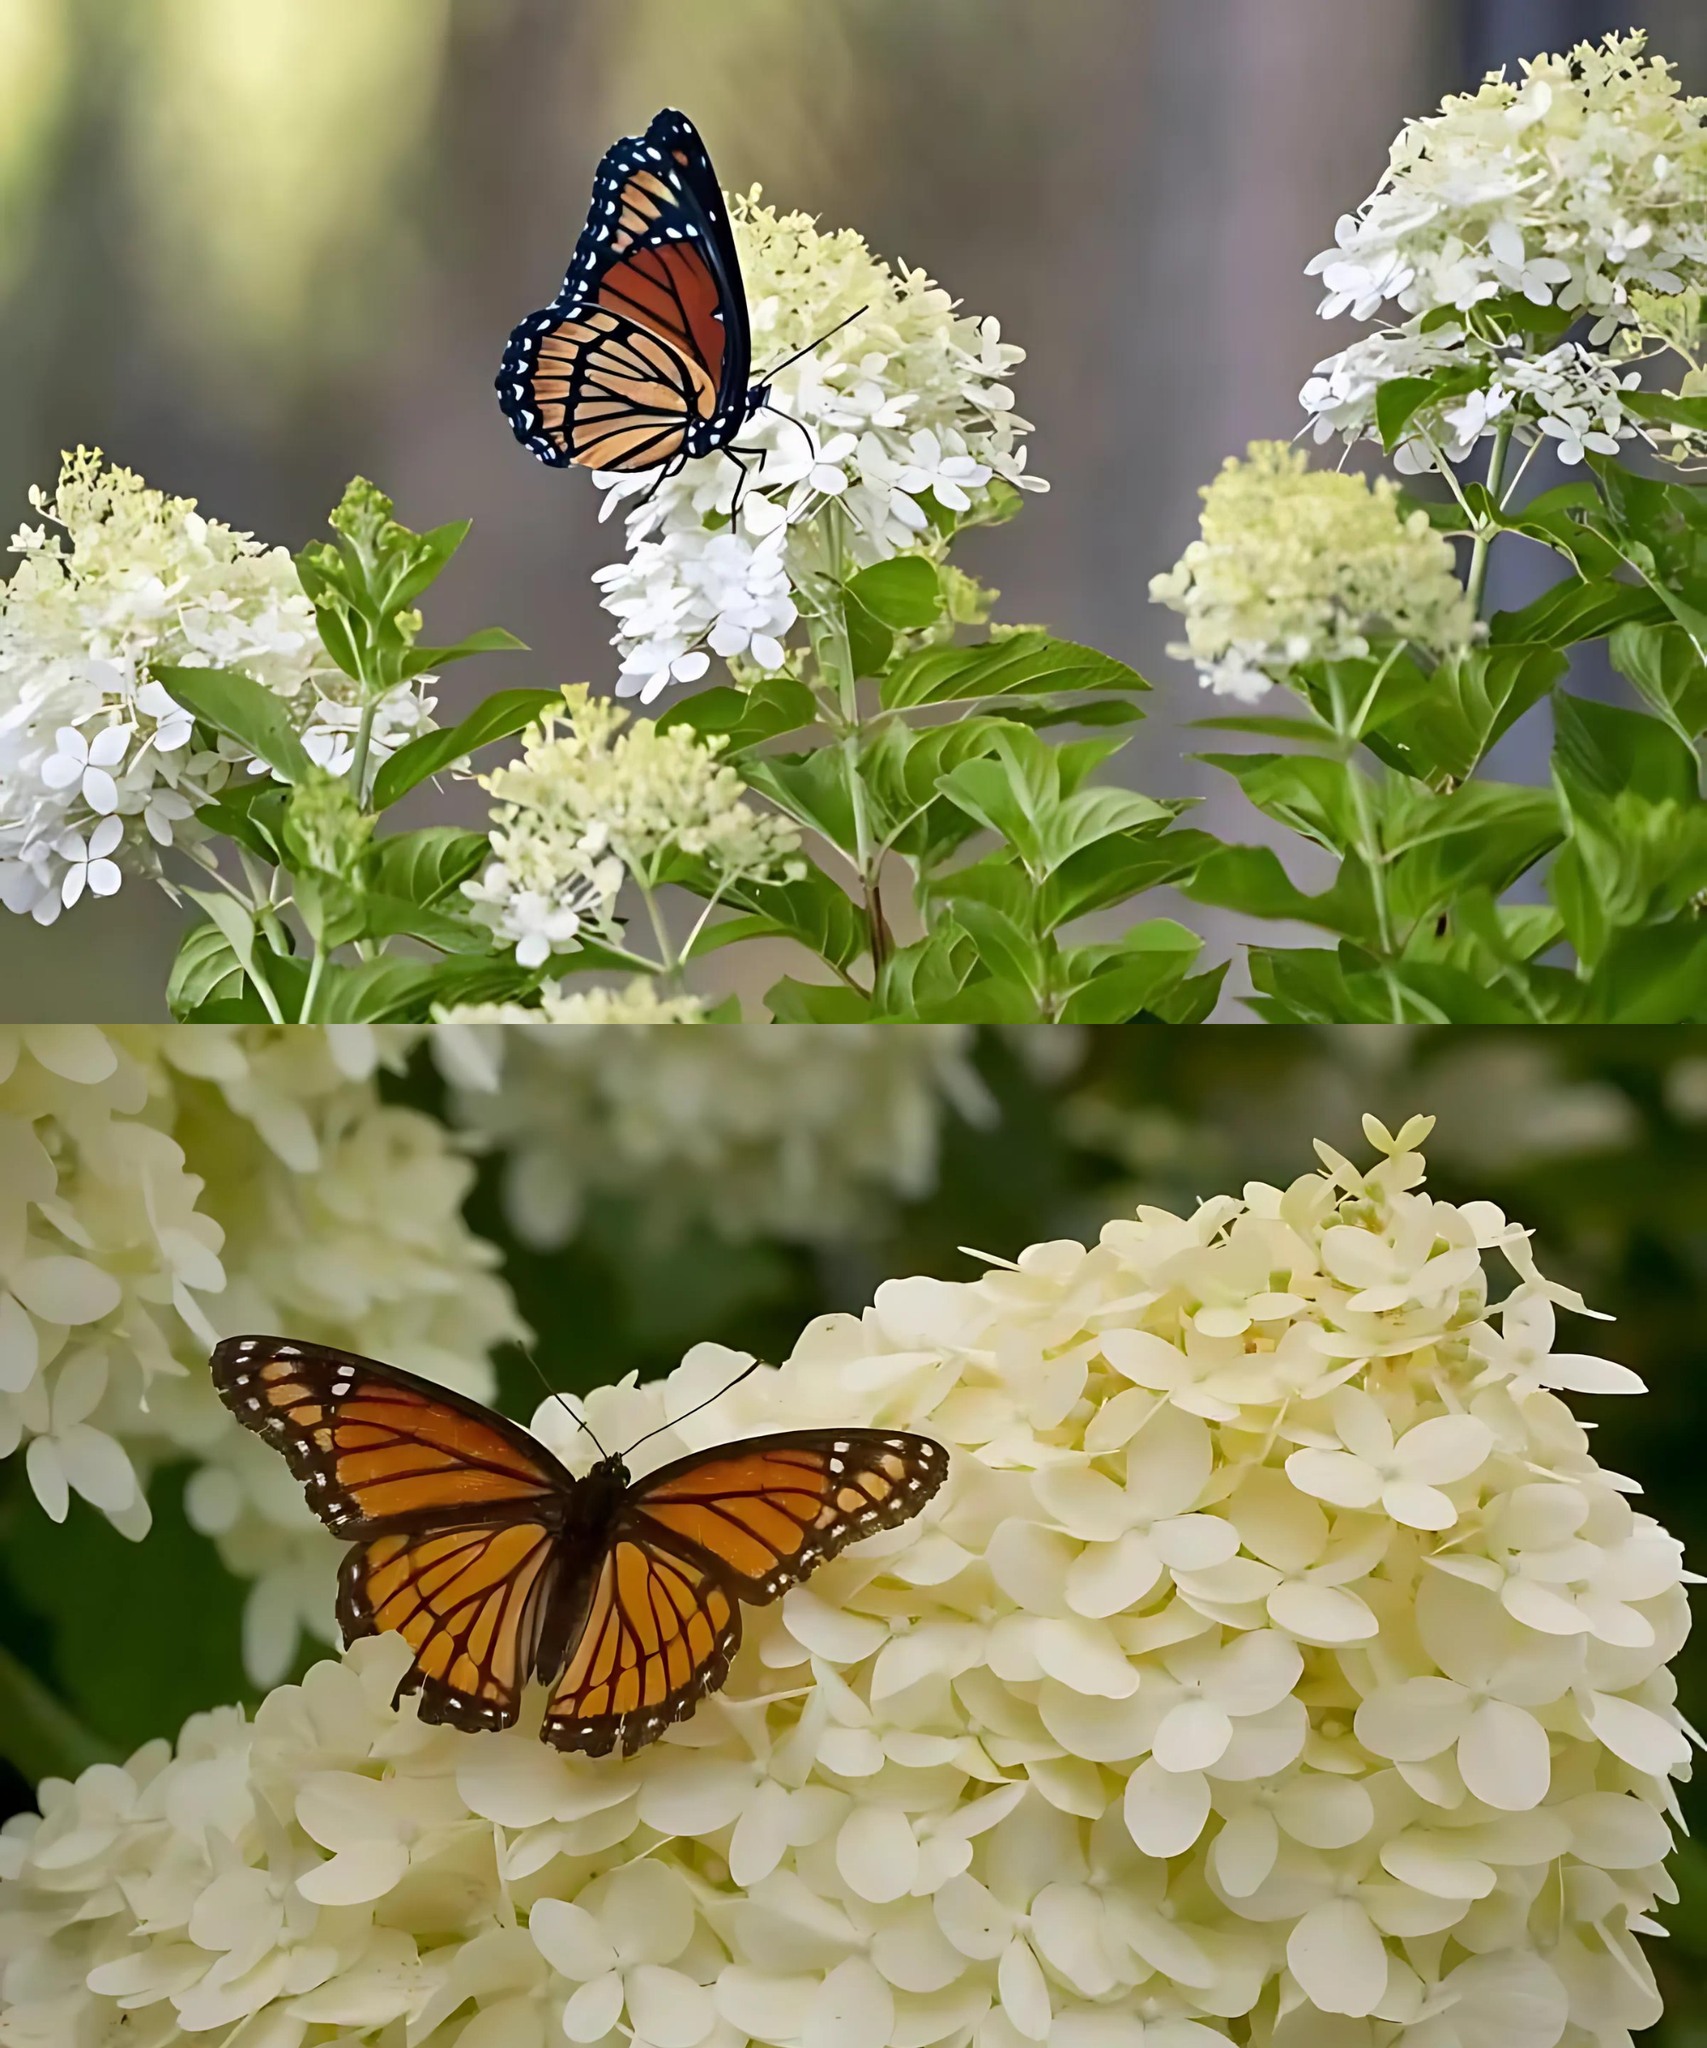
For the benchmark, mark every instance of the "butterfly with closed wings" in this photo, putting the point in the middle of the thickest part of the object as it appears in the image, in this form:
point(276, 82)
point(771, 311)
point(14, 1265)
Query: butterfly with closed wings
point(497, 1565)
point(643, 359)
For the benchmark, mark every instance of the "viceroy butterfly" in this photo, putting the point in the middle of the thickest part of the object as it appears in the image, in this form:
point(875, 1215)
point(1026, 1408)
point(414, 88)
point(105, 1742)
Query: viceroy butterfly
point(643, 359)
point(497, 1565)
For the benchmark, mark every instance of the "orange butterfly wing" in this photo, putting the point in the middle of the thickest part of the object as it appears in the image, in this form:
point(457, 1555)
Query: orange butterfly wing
point(452, 1510)
point(741, 1522)
point(611, 394)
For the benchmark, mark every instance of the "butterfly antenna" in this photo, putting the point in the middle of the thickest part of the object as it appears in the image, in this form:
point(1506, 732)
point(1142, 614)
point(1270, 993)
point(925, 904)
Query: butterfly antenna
point(706, 1403)
point(775, 368)
point(557, 1394)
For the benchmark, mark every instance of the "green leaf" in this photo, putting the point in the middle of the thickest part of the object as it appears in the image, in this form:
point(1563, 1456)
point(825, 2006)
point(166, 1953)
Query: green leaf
point(1666, 666)
point(233, 922)
point(1149, 963)
point(426, 866)
point(394, 991)
point(1005, 949)
point(1307, 985)
point(1251, 879)
point(252, 814)
point(805, 1002)
point(1116, 868)
point(870, 642)
point(489, 640)
point(206, 970)
point(1018, 664)
point(904, 593)
point(244, 710)
point(813, 910)
point(1482, 835)
point(811, 788)
point(1301, 791)
point(1657, 975)
point(1193, 1001)
point(348, 914)
point(772, 706)
point(1472, 700)
point(505, 713)
point(1575, 611)
point(1019, 796)
point(1400, 399)
point(1604, 750)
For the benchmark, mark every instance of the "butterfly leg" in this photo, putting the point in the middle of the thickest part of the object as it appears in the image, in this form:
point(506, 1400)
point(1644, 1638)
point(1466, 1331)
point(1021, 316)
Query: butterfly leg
point(670, 469)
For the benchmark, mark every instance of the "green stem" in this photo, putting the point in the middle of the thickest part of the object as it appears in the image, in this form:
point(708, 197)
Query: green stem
point(43, 1738)
point(829, 632)
point(1477, 582)
point(1368, 844)
point(364, 742)
point(669, 958)
point(316, 967)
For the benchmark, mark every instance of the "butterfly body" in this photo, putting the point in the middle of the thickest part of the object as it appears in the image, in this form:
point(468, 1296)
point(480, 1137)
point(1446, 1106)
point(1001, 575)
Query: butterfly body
point(497, 1564)
point(643, 361)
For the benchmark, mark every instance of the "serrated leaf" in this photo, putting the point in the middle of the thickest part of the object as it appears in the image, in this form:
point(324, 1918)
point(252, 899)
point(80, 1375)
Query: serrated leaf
point(426, 866)
point(1019, 664)
point(1124, 981)
point(503, 714)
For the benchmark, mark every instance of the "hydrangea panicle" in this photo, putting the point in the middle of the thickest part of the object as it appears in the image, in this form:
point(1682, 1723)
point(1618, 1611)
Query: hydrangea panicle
point(908, 401)
point(1297, 565)
point(1277, 1666)
point(98, 767)
point(594, 797)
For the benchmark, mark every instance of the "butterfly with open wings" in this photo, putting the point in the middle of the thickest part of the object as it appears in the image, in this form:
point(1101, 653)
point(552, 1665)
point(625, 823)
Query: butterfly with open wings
point(498, 1565)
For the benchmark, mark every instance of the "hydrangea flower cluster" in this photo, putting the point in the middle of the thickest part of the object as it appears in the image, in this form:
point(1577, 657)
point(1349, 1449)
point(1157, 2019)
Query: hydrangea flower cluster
point(99, 770)
point(589, 801)
point(168, 1186)
point(1277, 1665)
point(1580, 186)
point(636, 1002)
point(907, 403)
point(1297, 565)
point(793, 1134)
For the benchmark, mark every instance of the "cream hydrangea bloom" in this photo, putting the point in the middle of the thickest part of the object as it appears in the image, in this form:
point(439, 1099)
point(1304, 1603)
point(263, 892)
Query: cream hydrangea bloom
point(958, 1792)
point(167, 1186)
point(753, 1130)
point(1578, 186)
point(98, 767)
point(908, 400)
point(636, 1003)
point(1297, 565)
point(1574, 185)
point(589, 801)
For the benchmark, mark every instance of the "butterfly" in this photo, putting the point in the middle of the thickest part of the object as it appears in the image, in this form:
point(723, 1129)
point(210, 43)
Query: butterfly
point(643, 359)
point(496, 1564)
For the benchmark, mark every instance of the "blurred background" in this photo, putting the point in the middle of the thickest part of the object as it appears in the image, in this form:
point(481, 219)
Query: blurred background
point(251, 246)
point(1596, 1140)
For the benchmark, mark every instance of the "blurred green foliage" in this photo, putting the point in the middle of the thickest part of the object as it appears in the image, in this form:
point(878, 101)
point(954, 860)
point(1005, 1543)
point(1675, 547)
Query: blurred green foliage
point(1595, 1139)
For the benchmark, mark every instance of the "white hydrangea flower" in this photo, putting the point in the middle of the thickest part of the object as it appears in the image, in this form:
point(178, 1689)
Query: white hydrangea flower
point(939, 1801)
point(161, 1187)
point(751, 1129)
point(1569, 396)
point(909, 400)
point(637, 1003)
point(1297, 565)
point(590, 801)
point(1573, 186)
point(97, 772)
